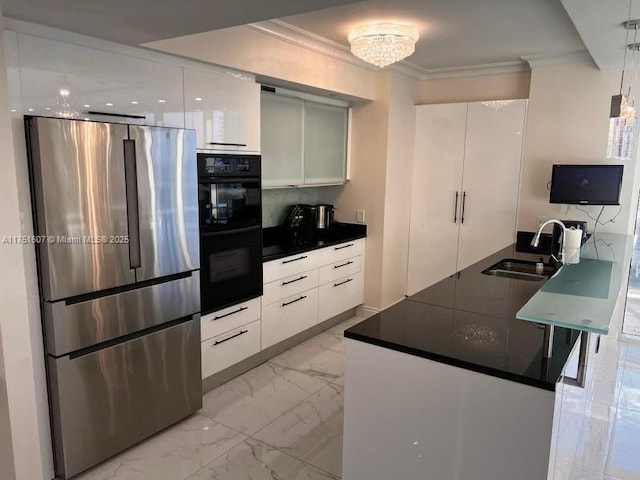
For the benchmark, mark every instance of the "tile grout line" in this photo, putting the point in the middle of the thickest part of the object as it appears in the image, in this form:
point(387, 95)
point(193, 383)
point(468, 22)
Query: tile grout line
point(290, 454)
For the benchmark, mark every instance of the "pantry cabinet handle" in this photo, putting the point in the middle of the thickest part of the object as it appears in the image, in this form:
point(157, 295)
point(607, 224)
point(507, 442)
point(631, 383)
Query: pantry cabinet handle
point(228, 144)
point(241, 309)
point(294, 259)
point(342, 283)
point(464, 203)
point(455, 209)
point(241, 332)
point(344, 246)
point(343, 265)
point(294, 301)
point(293, 281)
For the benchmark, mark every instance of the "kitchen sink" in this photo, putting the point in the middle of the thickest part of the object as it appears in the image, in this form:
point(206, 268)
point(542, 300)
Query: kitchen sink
point(519, 269)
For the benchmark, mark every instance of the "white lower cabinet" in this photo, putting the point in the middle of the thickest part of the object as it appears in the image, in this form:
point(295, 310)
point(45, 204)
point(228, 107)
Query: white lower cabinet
point(340, 295)
point(300, 291)
point(288, 286)
point(229, 348)
point(289, 316)
point(222, 321)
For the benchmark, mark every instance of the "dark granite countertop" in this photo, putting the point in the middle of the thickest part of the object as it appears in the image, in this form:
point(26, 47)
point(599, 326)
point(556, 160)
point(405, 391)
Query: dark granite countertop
point(468, 321)
point(277, 245)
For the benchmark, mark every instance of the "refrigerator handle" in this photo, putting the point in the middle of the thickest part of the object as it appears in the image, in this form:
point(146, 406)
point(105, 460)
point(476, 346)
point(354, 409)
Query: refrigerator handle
point(131, 185)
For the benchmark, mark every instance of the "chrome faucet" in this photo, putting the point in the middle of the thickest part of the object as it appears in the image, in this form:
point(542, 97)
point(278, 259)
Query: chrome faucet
point(536, 238)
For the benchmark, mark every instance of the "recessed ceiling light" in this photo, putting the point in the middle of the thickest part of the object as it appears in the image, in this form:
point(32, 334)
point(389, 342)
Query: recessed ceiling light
point(13, 110)
point(109, 104)
point(198, 99)
point(161, 101)
point(30, 109)
point(86, 105)
point(47, 109)
point(133, 102)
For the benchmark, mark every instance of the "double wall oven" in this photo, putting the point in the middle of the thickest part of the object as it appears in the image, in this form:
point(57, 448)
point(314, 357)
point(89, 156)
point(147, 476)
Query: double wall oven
point(230, 206)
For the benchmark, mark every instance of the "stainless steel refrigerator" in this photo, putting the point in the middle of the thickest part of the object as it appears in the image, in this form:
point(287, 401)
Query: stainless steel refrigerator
point(116, 214)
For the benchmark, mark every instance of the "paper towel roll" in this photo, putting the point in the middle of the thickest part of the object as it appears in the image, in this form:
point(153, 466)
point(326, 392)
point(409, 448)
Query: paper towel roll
point(572, 243)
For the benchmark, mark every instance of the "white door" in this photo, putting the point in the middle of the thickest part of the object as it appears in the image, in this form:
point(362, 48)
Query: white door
point(436, 191)
point(491, 179)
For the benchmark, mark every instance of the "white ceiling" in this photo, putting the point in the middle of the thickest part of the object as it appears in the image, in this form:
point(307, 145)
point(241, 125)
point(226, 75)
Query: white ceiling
point(457, 33)
point(599, 23)
point(139, 21)
point(454, 33)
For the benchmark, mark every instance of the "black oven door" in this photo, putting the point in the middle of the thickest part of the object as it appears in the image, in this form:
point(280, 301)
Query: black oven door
point(226, 203)
point(230, 267)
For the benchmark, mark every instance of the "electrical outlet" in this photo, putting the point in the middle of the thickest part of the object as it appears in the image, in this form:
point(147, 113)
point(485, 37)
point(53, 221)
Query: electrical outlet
point(360, 216)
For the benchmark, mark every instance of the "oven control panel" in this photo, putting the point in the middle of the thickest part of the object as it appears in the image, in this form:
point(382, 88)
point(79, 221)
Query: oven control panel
point(228, 165)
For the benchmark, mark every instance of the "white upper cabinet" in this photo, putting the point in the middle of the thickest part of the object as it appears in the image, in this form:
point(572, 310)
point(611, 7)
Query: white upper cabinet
point(282, 123)
point(325, 143)
point(303, 142)
point(59, 79)
point(224, 109)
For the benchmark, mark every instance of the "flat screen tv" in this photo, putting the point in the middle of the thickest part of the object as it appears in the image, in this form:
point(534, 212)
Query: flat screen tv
point(586, 184)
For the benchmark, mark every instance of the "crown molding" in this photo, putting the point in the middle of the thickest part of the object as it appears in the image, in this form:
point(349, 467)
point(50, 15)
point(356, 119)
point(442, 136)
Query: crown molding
point(302, 38)
point(542, 60)
point(305, 39)
point(516, 66)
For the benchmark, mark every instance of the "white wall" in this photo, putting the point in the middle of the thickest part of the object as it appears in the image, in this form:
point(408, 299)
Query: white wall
point(6, 448)
point(568, 122)
point(246, 49)
point(20, 321)
point(402, 99)
point(474, 88)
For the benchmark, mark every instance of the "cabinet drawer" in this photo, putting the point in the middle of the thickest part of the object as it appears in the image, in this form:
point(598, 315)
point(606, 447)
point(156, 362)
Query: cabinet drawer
point(230, 348)
point(288, 266)
point(288, 286)
point(289, 316)
point(335, 253)
point(222, 321)
point(340, 295)
point(339, 269)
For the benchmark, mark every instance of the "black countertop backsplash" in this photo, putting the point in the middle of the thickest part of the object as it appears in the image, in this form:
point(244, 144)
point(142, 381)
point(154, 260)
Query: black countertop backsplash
point(276, 243)
point(468, 321)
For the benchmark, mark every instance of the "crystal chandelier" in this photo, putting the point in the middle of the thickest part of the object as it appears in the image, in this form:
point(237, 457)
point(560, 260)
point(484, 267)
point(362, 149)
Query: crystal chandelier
point(497, 104)
point(383, 43)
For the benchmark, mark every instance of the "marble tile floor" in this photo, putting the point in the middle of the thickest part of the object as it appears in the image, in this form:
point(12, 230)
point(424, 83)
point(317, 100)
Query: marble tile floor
point(283, 421)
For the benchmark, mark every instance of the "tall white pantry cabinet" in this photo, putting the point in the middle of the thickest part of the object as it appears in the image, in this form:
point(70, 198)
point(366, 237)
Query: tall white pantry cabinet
point(466, 178)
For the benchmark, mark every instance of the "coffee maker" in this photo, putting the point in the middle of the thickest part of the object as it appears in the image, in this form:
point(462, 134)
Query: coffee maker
point(300, 224)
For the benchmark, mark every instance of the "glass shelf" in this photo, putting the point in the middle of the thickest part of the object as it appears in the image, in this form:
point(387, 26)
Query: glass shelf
point(584, 296)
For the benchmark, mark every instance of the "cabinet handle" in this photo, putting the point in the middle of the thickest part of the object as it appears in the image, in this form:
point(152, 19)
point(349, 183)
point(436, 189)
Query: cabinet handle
point(342, 283)
point(226, 144)
point(294, 259)
point(293, 281)
point(343, 265)
point(241, 309)
point(344, 246)
point(464, 202)
point(218, 342)
point(294, 301)
point(455, 209)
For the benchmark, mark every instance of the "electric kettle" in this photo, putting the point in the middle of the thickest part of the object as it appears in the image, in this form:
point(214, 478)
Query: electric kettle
point(324, 216)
